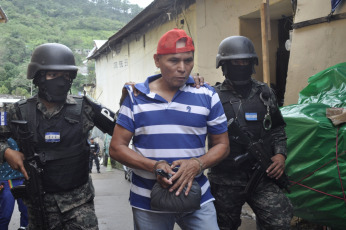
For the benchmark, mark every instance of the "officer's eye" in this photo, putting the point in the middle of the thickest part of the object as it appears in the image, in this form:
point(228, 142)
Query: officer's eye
point(53, 75)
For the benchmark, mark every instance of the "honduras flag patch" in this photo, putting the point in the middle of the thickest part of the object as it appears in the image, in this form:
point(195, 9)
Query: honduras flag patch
point(251, 116)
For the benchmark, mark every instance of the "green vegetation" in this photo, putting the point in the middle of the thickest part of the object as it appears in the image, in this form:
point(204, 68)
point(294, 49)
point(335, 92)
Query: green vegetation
point(73, 23)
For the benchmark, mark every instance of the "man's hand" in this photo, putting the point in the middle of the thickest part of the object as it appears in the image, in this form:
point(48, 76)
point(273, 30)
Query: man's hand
point(163, 181)
point(15, 160)
point(277, 168)
point(124, 92)
point(199, 81)
point(188, 169)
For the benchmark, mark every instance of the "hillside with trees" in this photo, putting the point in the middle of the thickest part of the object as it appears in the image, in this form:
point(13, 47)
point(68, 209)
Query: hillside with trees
point(73, 23)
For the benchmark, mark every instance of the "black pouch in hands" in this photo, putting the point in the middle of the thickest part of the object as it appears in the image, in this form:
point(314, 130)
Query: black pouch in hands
point(163, 200)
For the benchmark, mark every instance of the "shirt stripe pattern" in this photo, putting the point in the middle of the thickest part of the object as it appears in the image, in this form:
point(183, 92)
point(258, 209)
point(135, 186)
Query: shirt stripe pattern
point(170, 131)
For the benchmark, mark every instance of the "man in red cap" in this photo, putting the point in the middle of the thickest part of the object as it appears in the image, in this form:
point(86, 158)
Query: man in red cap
point(168, 123)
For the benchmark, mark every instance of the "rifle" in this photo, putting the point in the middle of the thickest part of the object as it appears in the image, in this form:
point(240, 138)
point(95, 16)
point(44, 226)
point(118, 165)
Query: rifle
point(256, 152)
point(32, 189)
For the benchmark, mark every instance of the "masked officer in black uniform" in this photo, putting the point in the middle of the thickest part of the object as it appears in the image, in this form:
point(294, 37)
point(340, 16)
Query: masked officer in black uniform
point(253, 107)
point(59, 124)
point(94, 155)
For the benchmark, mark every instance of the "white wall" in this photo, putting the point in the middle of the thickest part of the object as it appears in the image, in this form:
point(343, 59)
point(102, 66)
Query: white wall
point(314, 48)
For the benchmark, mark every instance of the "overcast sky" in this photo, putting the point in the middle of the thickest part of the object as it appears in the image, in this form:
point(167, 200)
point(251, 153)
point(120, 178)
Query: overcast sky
point(141, 3)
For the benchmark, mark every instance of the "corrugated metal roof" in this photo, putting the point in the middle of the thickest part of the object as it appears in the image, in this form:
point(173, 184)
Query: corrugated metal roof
point(97, 45)
point(151, 13)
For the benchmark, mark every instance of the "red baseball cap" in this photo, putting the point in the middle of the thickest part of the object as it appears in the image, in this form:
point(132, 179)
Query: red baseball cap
point(168, 42)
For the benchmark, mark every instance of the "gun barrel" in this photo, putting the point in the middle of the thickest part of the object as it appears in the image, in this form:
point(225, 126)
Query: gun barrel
point(257, 151)
point(33, 186)
point(240, 159)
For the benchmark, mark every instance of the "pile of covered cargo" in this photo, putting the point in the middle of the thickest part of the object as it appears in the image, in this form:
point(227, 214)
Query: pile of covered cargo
point(316, 162)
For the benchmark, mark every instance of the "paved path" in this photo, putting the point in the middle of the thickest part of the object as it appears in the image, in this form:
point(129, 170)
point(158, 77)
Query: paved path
point(111, 203)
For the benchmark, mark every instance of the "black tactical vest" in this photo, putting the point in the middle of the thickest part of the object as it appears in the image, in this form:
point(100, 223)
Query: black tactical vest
point(93, 148)
point(249, 114)
point(62, 145)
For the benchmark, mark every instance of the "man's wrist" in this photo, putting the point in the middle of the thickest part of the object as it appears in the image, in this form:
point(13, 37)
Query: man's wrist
point(157, 163)
point(200, 164)
point(285, 156)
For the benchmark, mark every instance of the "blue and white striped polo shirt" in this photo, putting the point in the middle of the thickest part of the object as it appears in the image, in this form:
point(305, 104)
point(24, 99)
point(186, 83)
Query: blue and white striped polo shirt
point(170, 131)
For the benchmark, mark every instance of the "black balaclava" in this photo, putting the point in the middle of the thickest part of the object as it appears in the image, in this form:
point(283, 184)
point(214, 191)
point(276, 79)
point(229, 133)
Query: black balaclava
point(54, 90)
point(238, 74)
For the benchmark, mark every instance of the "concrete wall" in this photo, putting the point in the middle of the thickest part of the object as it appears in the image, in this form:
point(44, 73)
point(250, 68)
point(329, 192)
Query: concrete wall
point(219, 19)
point(315, 47)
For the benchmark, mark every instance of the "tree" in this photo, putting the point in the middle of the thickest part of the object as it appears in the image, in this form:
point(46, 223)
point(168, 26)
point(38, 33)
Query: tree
point(15, 51)
point(20, 92)
point(4, 90)
point(73, 23)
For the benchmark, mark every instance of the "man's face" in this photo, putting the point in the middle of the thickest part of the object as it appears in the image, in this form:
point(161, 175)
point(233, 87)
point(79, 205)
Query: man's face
point(175, 68)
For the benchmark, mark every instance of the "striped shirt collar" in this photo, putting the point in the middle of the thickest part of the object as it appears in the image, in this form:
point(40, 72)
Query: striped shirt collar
point(144, 87)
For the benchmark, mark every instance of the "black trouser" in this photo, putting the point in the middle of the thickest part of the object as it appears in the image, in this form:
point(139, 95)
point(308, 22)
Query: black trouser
point(272, 208)
point(97, 162)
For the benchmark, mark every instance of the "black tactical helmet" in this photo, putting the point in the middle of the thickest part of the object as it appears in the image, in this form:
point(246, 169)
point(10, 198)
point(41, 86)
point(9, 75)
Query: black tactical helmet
point(236, 47)
point(52, 57)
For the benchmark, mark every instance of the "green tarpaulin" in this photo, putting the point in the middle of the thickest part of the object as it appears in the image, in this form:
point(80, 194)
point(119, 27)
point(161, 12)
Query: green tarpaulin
point(316, 161)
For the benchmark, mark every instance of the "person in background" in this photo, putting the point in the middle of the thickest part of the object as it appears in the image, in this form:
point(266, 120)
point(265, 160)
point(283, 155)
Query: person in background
point(94, 153)
point(8, 179)
point(168, 123)
point(253, 107)
point(107, 141)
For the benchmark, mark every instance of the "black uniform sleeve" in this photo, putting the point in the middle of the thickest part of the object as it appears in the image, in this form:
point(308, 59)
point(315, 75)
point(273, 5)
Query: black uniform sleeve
point(278, 133)
point(103, 118)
